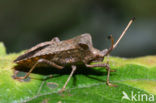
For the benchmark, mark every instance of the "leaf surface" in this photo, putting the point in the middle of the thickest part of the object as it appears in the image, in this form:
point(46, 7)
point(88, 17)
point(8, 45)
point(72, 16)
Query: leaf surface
point(88, 85)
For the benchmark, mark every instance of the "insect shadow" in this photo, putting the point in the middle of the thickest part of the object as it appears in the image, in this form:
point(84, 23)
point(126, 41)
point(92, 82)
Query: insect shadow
point(81, 69)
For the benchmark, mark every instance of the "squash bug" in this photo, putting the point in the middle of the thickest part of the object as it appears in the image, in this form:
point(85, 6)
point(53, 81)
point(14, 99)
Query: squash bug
point(76, 51)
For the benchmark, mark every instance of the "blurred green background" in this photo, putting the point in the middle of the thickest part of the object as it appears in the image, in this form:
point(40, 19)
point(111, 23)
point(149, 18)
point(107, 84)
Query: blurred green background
point(25, 23)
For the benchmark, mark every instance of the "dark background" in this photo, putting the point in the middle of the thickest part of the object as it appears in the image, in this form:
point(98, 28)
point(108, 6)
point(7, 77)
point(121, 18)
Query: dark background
point(25, 23)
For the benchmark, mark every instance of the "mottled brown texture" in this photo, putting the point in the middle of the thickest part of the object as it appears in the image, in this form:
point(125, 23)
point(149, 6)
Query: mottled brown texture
point(77, 50)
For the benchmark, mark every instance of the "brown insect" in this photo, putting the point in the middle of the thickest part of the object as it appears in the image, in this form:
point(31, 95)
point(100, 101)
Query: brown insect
point(76, 51)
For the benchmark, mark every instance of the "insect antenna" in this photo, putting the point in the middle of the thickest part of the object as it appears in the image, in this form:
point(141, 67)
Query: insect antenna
point(123, 33)
point(112, 45)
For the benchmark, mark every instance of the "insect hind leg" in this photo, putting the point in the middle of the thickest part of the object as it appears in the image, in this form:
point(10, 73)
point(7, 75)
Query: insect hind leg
point(38, 62)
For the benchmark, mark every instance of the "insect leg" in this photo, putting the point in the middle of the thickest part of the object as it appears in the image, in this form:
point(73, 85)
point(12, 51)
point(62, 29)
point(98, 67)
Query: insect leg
point(108, 59)
point(72, 72)
point(38, 62)
point(50, 63)
point(107, 68)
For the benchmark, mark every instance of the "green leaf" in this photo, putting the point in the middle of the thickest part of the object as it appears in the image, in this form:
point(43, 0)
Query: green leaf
point(2, 49)
point(88, 85)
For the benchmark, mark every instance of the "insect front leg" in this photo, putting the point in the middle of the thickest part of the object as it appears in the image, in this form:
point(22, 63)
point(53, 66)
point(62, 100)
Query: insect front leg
point(107, 68)
point(38, 62)
point(108, 59)
point(71, 74)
